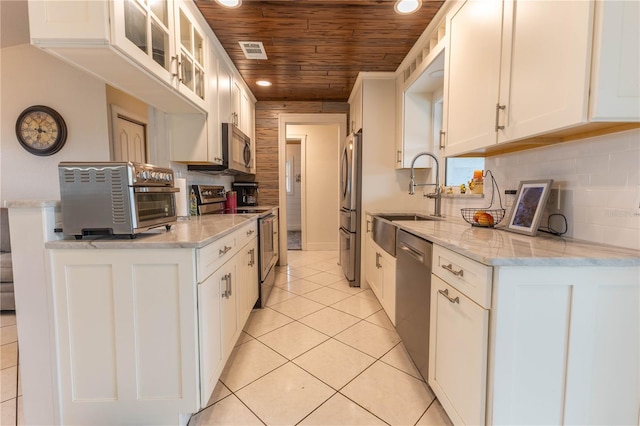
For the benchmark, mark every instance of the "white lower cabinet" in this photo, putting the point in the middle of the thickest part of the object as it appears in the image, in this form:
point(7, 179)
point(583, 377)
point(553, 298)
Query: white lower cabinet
point(126, 335)
point(225, 300)
point(381, 276)
point(140, 338)
point(458, 353)
point(217, 324)
point(534, 345)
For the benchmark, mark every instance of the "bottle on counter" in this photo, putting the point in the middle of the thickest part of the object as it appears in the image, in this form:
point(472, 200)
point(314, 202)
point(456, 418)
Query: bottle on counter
point(232, 200)
point(476, 185)
point(193, 204)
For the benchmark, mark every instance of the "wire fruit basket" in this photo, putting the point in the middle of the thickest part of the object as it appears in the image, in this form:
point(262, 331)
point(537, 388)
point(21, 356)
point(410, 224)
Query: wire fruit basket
point(485, 217)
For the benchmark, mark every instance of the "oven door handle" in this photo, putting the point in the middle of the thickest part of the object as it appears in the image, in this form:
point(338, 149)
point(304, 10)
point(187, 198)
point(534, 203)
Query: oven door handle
point(155, 189)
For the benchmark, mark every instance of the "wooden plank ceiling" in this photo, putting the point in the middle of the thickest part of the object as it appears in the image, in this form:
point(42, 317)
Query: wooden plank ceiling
point(316, 48)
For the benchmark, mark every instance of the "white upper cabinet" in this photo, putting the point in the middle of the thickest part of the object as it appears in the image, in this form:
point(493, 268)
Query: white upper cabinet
point(144, 32)
point(615, 88)
point(521, 69)
point(544, 81)
point(191, 51)
point(471, 86)
point(153, 50)
point(355, 110)
point(421, 116)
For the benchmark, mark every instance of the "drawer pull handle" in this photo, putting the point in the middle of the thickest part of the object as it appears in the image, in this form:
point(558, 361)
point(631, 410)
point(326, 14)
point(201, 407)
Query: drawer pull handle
point(449, 268)
point(224, 250)
point(378, 256)
point(250, 232)
point(445, 293)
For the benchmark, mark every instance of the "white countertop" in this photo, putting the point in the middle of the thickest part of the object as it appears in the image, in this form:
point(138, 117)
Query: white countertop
point(195, 232)
point(498, 247)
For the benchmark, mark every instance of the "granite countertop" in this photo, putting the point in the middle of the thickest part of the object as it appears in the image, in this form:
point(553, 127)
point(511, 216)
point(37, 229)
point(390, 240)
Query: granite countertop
point(195, 232)
point(499, 247)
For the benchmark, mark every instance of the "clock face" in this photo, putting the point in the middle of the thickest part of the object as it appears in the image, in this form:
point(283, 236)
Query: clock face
point(41, 130)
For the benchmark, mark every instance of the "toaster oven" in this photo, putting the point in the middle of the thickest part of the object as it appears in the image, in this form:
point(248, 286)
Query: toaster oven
point(115, 198)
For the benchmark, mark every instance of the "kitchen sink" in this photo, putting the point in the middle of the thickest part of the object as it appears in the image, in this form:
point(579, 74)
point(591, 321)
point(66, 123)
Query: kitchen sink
point(384, 231)
point(384, 235)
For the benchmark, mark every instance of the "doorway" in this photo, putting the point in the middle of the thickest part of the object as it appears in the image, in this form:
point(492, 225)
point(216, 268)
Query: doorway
point(320, 137)
point(293, 188)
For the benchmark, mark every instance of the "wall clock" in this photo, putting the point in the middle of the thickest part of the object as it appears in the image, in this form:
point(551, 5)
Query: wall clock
point(41, 130)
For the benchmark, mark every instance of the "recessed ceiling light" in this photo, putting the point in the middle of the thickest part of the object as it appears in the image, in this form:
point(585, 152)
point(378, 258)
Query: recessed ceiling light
point(405, 7)
point(263, 83)
point(232, 4)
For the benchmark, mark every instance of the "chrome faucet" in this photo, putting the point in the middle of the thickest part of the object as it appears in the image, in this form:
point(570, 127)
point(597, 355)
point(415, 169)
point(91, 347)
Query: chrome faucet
point(435, 195)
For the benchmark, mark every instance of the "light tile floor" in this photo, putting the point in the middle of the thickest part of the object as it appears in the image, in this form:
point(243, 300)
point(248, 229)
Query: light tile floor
point(320, 353)
point(10, 386)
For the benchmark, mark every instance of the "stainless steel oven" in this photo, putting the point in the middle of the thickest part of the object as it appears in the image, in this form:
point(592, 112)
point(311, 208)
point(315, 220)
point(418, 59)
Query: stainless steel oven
point(114, 198)
point(211, 200)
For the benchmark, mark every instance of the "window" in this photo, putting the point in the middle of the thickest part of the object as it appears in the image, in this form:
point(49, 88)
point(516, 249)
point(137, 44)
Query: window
point(460, 170)
point(288, 171)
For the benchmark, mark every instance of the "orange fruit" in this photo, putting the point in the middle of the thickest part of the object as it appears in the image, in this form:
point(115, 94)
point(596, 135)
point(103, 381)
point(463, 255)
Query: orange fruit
point(485, 219)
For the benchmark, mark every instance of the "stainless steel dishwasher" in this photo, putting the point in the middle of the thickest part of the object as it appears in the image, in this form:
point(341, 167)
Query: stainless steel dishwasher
point(413, 296)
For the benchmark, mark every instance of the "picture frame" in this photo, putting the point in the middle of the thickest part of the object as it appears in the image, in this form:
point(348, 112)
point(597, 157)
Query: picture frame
point(529, 205)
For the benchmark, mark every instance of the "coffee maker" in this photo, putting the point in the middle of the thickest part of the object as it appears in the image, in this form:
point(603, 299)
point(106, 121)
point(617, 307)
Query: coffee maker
point(247, 193)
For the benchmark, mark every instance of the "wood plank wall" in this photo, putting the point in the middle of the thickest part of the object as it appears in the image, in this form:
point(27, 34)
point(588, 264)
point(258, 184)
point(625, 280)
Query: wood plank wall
point(267, 113)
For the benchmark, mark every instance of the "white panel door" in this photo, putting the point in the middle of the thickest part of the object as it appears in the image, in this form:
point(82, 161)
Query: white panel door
point(129, 137)
point(126, 335)
point(544, 78)
point(458, 353)
point(472, 82)
point(615, 86)
point(209, 324)
point(603, 377)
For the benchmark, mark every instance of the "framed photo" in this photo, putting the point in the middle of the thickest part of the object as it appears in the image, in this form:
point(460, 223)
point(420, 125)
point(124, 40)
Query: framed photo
point(531, 200)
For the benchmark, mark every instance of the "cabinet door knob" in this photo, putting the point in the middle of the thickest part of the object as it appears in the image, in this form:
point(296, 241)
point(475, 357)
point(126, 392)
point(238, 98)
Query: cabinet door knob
point(445, 293)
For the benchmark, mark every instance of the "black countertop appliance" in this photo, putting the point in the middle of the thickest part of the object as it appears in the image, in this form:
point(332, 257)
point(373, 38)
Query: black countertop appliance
point(247, 193)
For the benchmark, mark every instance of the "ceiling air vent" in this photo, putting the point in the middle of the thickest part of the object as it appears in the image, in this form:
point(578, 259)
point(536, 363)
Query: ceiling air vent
point(253, 49)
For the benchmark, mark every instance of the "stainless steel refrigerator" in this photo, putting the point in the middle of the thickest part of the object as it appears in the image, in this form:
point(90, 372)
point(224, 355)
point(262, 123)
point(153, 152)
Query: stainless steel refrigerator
point(350, 207)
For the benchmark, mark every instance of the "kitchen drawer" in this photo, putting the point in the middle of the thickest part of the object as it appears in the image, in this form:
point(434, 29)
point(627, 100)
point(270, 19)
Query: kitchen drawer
point(471, 278)
point(247, 233)
point(211, 257)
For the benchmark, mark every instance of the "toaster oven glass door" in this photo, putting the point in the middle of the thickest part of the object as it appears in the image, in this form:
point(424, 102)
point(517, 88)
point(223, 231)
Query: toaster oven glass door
point(154, 206)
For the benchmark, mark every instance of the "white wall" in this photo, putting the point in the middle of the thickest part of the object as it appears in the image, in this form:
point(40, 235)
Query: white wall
point(599, 181)
point(321, 182)
point(31, 77)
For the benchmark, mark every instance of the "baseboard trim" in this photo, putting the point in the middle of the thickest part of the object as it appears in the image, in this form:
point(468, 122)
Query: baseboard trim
point(321, 246)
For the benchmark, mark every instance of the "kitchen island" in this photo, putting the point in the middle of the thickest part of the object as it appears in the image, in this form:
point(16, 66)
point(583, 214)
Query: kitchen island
point(131, 330)
point(531, 330)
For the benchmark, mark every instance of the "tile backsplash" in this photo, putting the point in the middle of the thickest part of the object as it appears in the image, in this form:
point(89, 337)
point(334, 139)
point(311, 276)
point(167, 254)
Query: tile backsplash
point(598, 183)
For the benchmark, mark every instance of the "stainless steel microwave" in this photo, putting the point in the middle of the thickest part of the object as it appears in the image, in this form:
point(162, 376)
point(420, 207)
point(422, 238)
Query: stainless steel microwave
point(236, 149)
point(237, 155)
